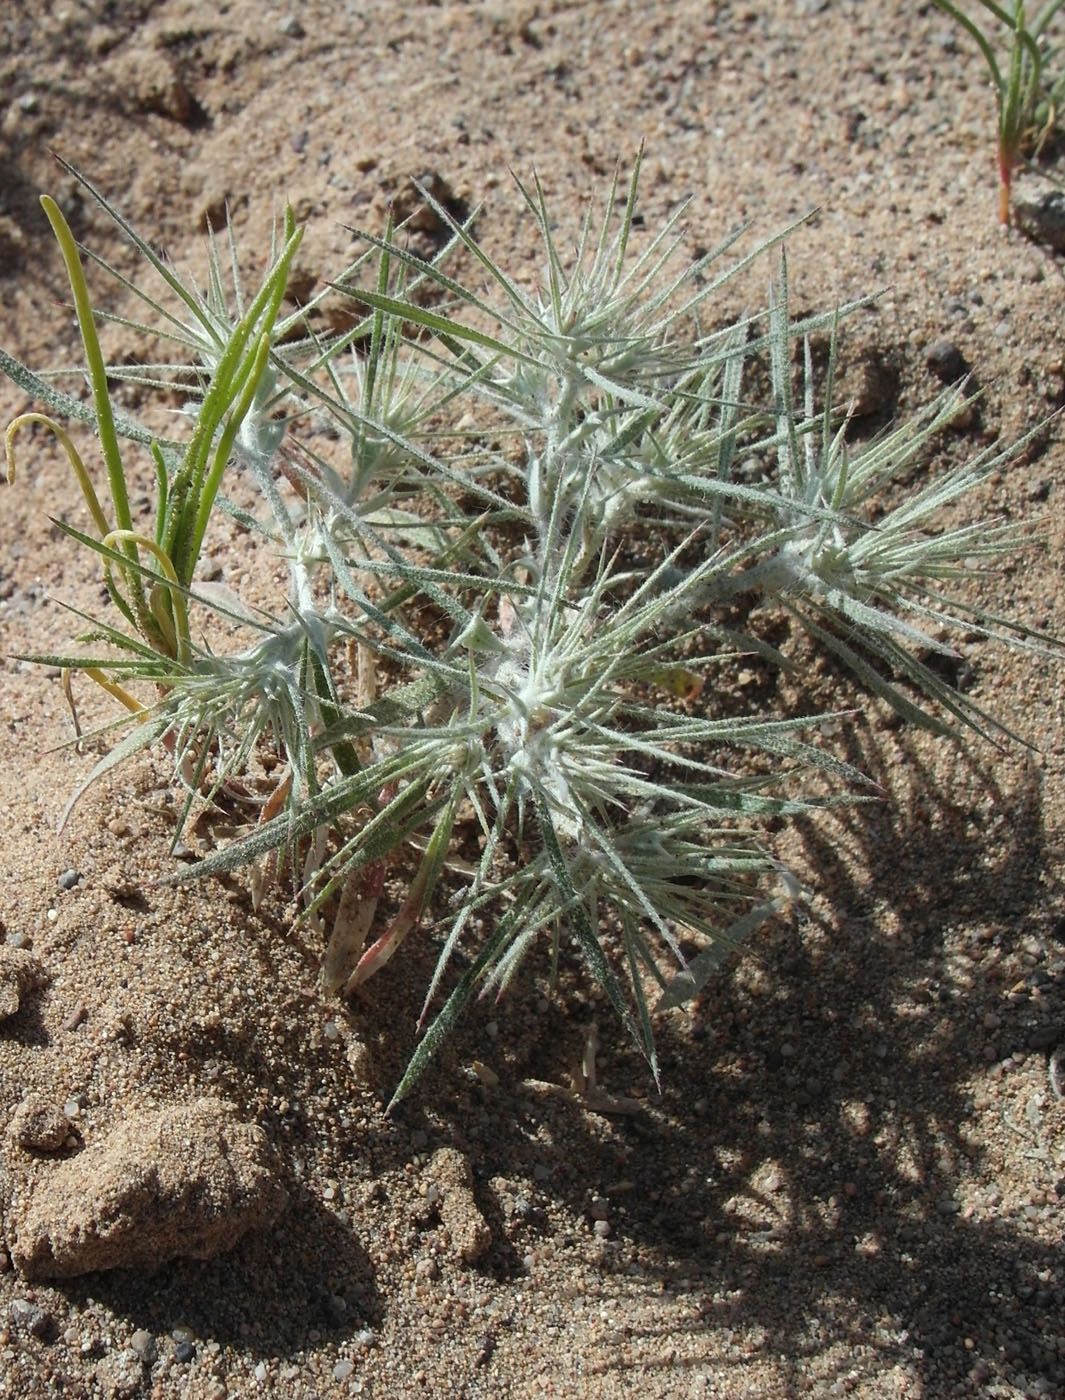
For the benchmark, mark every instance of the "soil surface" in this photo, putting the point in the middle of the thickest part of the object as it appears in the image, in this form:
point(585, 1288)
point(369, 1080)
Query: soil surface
point(852, 1181)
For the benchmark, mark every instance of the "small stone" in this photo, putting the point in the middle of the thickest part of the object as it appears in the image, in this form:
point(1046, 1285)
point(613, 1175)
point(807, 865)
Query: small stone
point(601, 1229)
point(291, 28)
point(946, 361)
point(343, 1369)
point(1040, 214)
point(69, 879)
point(1045, 1037)
point(74, 1020)
point(38, 1125)
point(185, 1352)
point(143, 1343)
point(20, 974)
point(599, 1208)
point(28, 1318)
point(119, 1375)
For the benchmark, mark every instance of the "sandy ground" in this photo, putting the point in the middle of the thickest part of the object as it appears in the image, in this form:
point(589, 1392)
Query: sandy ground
point(852, 1181)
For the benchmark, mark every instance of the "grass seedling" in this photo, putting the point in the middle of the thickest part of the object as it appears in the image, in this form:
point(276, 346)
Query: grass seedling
point(1026, 100)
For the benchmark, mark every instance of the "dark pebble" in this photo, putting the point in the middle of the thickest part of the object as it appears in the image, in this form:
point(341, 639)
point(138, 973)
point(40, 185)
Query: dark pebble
point(69, 879)
point(1042, 218)
point(184, 1352)
point(946, 361)
point(27, 1317)
point(1044, 1037)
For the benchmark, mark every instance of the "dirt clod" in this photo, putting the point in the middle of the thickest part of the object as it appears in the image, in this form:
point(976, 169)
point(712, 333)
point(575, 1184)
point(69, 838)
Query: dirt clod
point(180, 1182)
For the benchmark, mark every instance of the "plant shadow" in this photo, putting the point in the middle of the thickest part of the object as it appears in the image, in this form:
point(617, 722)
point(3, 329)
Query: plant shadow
point(824, 1185)
point(824, 1172)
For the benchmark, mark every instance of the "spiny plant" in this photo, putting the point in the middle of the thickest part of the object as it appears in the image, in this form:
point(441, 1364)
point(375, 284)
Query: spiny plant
point(1027, 101)
point(548, 508)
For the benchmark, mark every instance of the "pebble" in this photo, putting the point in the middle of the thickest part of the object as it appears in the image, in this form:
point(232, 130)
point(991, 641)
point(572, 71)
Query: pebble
point(69, 879)
point(38, 1125)
point(946, 361)
point(184, 1352)
point(1045, 1037)
point(343, 1369)
point(1040, 214)
point(27, 1317)
point(20, 974)
point(143, 1343)
point(74, 1020)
